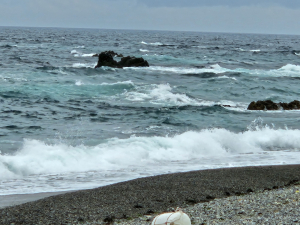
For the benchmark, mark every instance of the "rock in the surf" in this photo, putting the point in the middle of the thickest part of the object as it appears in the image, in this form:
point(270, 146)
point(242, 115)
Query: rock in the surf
point(270, 105)
point(290, 106)
point(114, 54)
point(133, 62)
point(263, 105)
point(106, 59)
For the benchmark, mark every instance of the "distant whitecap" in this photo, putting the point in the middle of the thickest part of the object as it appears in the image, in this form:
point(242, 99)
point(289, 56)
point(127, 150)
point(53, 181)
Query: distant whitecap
point(84, 65)
point(78, 83)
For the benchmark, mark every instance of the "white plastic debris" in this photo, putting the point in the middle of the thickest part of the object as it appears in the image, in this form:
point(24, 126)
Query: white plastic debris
point(175, 218)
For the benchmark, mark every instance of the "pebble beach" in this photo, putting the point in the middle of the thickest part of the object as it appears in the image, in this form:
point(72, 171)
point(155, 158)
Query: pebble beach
point(279, 206)
point(247, 195)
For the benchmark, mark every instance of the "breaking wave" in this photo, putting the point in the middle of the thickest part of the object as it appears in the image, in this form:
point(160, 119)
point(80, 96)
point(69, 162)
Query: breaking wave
point(154, 43)
point(162, 94)
point(128, 158)
point(84, 65)
point(79, 54)
point(288, 70)
point(182, 70)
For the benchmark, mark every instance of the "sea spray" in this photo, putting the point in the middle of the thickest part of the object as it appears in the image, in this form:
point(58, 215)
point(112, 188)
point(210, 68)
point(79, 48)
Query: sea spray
point(210, 148)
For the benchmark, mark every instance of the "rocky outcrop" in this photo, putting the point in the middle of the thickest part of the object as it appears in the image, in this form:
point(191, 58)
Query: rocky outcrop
point(107, 59)
point(114, 54)
point(270, 105)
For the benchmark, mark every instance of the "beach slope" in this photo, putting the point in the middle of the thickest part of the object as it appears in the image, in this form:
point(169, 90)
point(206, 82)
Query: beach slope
point(152, 194)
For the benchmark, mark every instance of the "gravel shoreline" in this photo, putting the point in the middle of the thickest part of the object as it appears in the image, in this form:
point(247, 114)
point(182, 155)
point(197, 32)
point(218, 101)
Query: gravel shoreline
point(192, 191)
point(281, 206)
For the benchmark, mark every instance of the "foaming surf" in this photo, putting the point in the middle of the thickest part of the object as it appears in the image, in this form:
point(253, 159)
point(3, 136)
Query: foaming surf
point(288, 70)
point(60, 167)
point(84, 65)
point(253, 50)
point(183, 70)
point(127, 82)
point(80, 54)
point(162, 94)
point(154, 43)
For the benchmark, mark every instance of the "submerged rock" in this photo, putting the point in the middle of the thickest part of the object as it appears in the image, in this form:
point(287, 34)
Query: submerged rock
point(106, 59)
point(270, 105)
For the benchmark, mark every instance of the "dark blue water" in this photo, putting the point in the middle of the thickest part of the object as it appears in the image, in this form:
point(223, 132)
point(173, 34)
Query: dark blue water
point(65, 125)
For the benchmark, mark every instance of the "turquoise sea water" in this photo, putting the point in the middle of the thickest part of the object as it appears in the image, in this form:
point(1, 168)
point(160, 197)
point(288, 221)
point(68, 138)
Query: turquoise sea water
point(67, 126)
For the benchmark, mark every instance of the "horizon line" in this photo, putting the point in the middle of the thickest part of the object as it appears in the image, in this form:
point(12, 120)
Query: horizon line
point(160, 30)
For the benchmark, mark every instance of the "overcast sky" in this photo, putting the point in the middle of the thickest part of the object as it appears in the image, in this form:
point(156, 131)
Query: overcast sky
point(238, 16)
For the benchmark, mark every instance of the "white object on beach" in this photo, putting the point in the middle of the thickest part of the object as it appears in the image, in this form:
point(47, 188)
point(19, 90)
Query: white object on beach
point(175, 218)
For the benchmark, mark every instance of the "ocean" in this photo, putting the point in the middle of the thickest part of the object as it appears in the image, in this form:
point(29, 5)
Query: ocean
point(67, 126)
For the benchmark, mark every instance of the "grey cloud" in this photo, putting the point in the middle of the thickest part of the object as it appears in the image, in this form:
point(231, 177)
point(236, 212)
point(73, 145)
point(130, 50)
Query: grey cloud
point(230, 3)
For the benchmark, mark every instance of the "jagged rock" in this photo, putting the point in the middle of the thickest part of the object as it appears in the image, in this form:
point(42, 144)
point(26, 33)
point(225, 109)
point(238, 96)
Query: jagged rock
point(106, 59)
point(114, 54)
point(270, 105)
point(290, 106)
point(263, 105)
point(133, 62)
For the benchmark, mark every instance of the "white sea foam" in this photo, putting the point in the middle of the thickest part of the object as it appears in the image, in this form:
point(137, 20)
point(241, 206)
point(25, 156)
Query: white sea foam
point(59, 167)
point(290, 68)
point(88, 55)
point(127, 82)
point(199, 46)
point(78, 83)
point(80, 54)
point(82, 46)
point(144, 50)
point(162, 94)
point(287, 70)
point(154, 43)
point(243, 50)
point(226, 77)
point(255, 50)
point(76, 53)
point(297, 53)
point(183, 70)
point(84, 65)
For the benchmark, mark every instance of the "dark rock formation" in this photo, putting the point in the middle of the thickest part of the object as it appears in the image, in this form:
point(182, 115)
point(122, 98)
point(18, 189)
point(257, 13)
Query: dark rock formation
point(133, 62)
point(290, 106)
point(114, 54)
point(263, 105)
point(106, 59)
point(270, 105)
